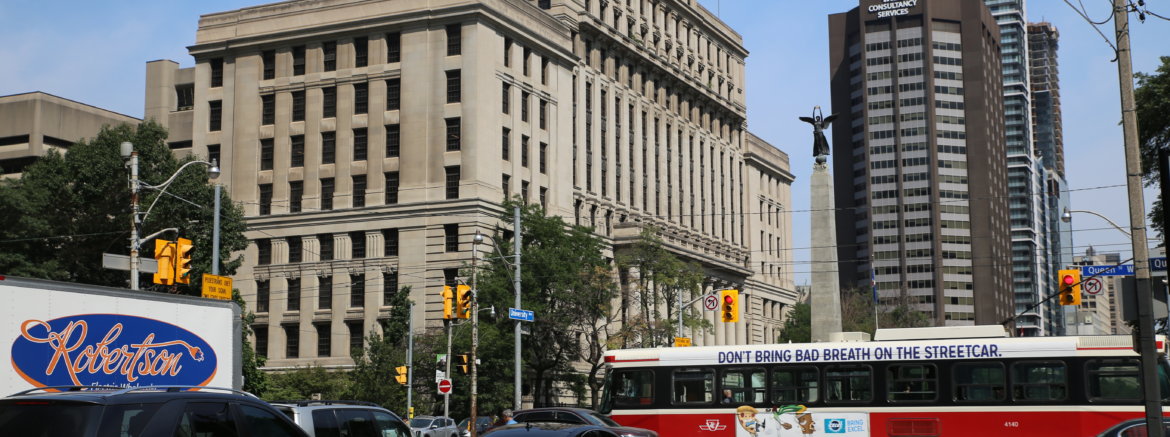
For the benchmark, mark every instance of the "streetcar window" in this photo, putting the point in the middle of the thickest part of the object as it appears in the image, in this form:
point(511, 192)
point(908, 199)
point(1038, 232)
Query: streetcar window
point(912, 382)
point(693, 386)
point(632, 388)
point(794, 385)
point(1039, 381)
point(742, 386)
point(979, 382)
point(848, 384)
point(1114, 380)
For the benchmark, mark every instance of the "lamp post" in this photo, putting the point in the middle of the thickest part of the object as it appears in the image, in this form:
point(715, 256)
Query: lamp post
point(516, 288)
point(474, 329)
point(127, 151)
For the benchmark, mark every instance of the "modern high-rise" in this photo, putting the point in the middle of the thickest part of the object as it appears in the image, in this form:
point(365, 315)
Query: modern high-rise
point(919, 157)
point(369, 140)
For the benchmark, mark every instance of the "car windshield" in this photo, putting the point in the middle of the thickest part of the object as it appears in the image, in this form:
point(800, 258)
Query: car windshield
point(598, 419)
point(420, 423)
point(36, 418)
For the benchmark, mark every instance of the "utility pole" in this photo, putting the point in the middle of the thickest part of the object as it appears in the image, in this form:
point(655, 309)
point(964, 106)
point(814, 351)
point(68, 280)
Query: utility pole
point(474, 331)
point(516, 286)
point(215, 232)
point(447, 371)
point(128, 147)
point(1137, 217)
point(410, 363)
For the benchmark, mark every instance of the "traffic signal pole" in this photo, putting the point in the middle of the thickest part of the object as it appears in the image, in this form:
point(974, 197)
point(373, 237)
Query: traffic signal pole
point(474, 332)
point(447, 371)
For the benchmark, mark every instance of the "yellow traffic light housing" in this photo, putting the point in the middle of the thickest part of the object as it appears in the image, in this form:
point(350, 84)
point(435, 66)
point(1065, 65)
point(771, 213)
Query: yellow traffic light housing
point(464, 364)
point(448, 303)
point(462, 301)
point(183, 261)
point(1069, 282)
point(164, 255)
point(401, 376)
point(729, 304)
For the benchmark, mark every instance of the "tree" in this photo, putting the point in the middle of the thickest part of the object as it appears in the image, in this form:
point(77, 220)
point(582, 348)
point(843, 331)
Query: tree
point(372, 379)
point(1152, 101)
point(662, 277)
point(304, 382)
point(798, 327)
point(857, 312)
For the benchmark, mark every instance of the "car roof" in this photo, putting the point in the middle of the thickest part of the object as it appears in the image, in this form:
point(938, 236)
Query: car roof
point(573, 409)
point(119, 395)
point(539, 429)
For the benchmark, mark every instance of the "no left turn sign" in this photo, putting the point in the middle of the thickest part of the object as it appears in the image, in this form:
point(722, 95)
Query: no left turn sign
point(1093, 286)
point(710, 302)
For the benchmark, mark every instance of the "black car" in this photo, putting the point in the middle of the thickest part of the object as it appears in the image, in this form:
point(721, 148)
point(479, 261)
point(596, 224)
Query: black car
point(550, 429)
point(1133, 428)
point(579, 416)
point(79, 411)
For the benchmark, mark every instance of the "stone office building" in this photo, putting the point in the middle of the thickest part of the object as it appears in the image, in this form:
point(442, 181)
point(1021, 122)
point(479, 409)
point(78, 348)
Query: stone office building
point(369, 140)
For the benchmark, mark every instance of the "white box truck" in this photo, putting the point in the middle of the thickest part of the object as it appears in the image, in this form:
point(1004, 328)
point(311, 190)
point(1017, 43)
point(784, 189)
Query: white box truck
point(64, 334)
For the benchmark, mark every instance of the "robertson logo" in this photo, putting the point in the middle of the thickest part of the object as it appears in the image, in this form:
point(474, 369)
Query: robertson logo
point(110, 349)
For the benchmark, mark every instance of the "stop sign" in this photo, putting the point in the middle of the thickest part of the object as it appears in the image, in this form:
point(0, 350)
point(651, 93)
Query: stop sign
point(444, 386)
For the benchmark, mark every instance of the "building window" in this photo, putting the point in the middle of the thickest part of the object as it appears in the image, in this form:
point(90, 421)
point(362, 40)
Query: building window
point(292, 341)
point(453, 86)
point(543, 114)
point(543, 70)
point(298, 54)
point(325, 241)
point(391, 187)
point(452, 181)
point(524, 106)
point(263, 296)
point(268, 109)
point(393, 141)
point(524, 151)
point(389, 287)
point(527, 61)
point(324, 292)
point(451, 237)
point(265, 199)
point(323, 333)
point(393, 47)
point(329, 55)
point(393, 94)
point(543, 157)
point(268, 58)
point(261, 333)
point(506, 98)
point(297, 144)
point(295, 196)
point(263, 252)
point(449, 277)
point(524, 191)
point(213, 154)
point(507, 52)
point(506, 144)
point(357, 290)
point(355, 337)
point(361, 98)
point(216, 72)
point(361, 47)
point(357, 244)
point(184, 97)
point(506, 185)
point(266, 153)
point(294, 294)
point(326, 194)
point(298, 106)
point(390, 242)
point(453, 134)
point(544, 197)
point(215, 115)
point(329, 102)
point(328, 147)
point(454, 39)
point(361, 142)
point(359, 191)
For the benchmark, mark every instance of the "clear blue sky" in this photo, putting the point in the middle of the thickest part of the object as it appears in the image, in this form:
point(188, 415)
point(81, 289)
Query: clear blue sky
point(95, 52)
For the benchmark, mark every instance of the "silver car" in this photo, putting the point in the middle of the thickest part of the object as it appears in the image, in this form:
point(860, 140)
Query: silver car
point(348, 418)
point(433, 426)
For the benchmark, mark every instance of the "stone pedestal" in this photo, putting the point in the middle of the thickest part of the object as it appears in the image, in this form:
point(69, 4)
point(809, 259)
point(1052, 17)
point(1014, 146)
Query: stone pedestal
point(825, 301)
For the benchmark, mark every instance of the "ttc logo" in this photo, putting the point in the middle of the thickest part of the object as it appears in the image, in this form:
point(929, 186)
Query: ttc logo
point(835, 426)
point(713, 425)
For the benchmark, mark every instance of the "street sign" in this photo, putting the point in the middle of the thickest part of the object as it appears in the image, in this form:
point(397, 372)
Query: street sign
point(682, 341)
point(122, 262)
point(522, 315)
point(445, 386)
point(1093, 286)
point(217, 287)
point(1158, 264)
point(710, 302)
point(1118, 270)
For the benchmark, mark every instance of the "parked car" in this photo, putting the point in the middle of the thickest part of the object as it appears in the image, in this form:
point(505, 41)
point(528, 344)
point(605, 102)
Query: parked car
point(343, 418)
point(80, 411)
point(550, 429)
point(1133, 428)
point(483, 423)
point(433, 426)
point(580, 416)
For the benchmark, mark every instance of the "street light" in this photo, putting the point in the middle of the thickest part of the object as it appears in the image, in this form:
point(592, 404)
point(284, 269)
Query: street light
point(516, 287)
point(127, 151)
point(1067, 218)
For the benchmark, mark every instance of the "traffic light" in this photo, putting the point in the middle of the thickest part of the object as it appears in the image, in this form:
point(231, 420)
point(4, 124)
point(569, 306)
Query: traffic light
point(464, 364)
point(730, 305)
point(448, 303)
point(401, 376)
point(462, 301)
point(183, 261)
point(1070, 287)
point(164, 255)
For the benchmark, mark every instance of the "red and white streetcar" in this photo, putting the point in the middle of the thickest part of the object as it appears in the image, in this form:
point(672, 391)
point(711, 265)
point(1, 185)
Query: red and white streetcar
point(948, 381)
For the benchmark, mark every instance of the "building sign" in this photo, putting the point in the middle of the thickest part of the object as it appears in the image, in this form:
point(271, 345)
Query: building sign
point(891, 8)
point(864, 352)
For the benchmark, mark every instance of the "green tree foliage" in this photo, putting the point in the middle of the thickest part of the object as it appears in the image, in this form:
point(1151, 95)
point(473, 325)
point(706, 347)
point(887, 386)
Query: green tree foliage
point(798, 327)
point(1152, 100)
point(857, 312)
point(372, 379)
point(661, 278)
point(303, 382)
point(559, 282)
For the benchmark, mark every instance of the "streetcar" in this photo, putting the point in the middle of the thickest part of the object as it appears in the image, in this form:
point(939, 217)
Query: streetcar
point(943, 381)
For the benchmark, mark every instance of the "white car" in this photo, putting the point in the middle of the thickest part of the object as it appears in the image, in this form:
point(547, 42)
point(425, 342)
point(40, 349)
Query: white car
point(433, 426)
